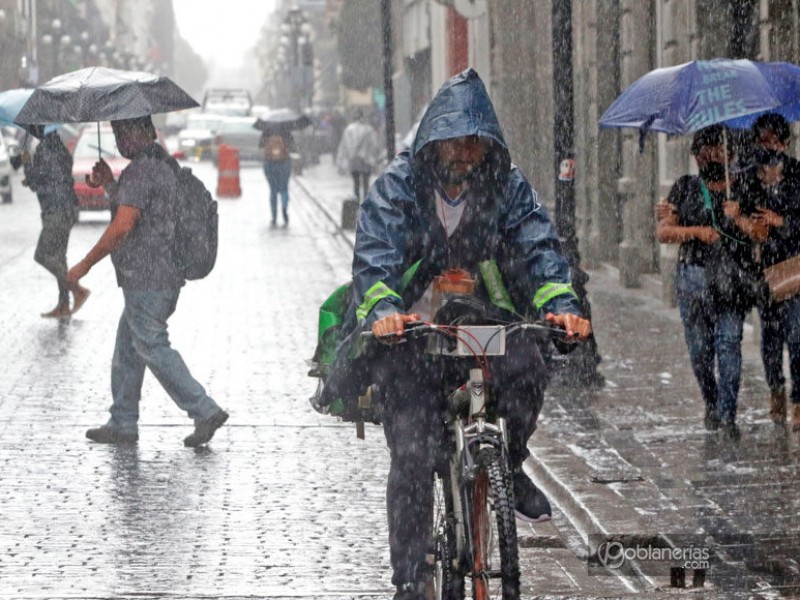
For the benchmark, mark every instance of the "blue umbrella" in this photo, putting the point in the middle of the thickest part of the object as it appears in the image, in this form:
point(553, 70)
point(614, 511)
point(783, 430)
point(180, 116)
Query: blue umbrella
point(11, 102)
point(688, 97)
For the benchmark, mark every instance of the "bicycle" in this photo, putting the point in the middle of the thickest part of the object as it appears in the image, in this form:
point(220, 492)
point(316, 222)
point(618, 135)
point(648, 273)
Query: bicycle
point(473, 530)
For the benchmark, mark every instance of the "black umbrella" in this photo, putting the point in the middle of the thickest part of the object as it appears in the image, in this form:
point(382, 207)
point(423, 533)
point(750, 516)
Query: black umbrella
point(101, 94)
point(283, 120)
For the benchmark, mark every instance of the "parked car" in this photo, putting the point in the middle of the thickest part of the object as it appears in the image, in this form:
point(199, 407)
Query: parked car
point(87, 152)
point(197, 138)
point(5, 172)
point(239, 133)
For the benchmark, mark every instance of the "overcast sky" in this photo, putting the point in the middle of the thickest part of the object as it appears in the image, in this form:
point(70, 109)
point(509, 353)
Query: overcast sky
point(221, 31)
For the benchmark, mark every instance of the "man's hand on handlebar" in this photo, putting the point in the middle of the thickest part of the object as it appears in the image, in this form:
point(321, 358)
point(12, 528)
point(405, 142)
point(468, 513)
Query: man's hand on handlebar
point(389, 330)
point(575, 326)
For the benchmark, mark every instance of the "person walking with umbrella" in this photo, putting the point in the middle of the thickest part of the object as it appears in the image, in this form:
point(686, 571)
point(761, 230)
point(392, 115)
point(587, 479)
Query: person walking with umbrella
point(711, 216)
point(140, 238)
point(49, 174)
point(277, 145)
point(775, 189)
point(705, 215)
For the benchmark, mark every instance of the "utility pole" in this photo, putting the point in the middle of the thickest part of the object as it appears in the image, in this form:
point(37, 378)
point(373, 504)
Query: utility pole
point(388, 84)
point(563, 121)
point(585, 359)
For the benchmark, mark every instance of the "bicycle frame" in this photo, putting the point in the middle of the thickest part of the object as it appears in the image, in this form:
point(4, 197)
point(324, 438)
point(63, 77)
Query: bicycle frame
point(474, 490)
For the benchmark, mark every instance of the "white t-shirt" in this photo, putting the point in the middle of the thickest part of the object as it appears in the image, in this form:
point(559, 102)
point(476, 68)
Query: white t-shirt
point(449, 213)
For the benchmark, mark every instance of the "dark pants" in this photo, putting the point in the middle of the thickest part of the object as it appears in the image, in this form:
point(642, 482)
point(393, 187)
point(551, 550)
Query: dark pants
point(51, 250)
point(360, 184)
point(780, 324)
point(278, 173)
point(412, 387)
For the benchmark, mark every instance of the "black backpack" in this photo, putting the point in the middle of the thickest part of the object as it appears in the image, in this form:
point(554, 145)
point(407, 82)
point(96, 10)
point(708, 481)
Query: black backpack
point(196, 227)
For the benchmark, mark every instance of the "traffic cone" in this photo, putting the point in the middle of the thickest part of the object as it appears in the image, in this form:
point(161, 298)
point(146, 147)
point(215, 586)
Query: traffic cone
point(228, 172)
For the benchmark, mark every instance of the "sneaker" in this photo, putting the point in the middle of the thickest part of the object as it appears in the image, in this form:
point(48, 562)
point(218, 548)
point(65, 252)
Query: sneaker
point(731, 430)
point(530, 504)
point(204, 430)
point(777, 406)
point(711, 420)
point(795, 417)
point(111, 435)
point(410, 591)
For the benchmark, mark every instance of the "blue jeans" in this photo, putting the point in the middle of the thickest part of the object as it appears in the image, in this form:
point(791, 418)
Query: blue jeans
point(277, 174)
point(711, 331)
point(142, 341)
point(780, 324)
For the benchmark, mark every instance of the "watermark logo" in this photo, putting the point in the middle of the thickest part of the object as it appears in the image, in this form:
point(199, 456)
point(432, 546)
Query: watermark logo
point(652, 555)
point(611, 554)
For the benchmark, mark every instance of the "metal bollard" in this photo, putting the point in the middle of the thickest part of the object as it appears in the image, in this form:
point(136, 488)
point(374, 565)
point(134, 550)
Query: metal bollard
point(349, 213)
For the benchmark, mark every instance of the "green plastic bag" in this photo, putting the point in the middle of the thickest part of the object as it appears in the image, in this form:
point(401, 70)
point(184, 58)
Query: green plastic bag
point(331, 317)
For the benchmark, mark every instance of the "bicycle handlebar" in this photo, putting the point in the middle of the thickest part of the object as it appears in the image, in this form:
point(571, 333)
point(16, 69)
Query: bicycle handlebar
point(416, 329)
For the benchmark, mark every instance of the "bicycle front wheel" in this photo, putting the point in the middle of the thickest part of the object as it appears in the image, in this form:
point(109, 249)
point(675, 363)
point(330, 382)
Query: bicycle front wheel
point(495, 556)
point(448, 572)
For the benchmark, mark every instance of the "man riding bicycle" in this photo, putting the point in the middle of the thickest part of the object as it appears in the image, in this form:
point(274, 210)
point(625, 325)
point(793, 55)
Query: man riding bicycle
point(452, 209)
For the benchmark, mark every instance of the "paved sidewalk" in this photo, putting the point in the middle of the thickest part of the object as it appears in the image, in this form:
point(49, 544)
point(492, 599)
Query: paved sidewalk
point(634, 458)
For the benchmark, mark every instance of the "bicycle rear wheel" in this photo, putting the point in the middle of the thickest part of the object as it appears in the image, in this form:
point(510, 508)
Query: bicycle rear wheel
point(495, 558)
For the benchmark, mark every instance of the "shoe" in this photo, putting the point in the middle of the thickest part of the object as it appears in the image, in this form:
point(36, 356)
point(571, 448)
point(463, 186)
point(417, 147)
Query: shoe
point(731, 430)
point(795, 417)
point(777, 406)
point(530, 504)
point(204, 430)
point(711, 420)
point(273, 223)
point(106, 434)
point(285, 217)
point(79, 297)
point(410, 591)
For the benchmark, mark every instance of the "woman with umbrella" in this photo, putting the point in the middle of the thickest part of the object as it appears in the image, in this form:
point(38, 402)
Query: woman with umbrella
point(49, 174)
point(703, 214)
point(774, 185)
point(278, 144)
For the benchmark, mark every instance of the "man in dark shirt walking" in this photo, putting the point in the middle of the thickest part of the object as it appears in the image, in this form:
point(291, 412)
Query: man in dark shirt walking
point(140, 239)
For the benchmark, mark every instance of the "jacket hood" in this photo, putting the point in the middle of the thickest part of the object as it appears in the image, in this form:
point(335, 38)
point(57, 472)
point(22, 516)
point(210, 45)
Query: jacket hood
point(460, 108)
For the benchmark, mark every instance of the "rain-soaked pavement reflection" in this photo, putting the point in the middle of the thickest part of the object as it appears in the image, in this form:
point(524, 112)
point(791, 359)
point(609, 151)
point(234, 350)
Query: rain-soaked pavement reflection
point(643, 437)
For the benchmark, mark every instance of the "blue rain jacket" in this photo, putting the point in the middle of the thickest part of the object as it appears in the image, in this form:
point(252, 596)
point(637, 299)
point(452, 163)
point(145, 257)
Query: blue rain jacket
point(504, 221)
point(398, 228)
